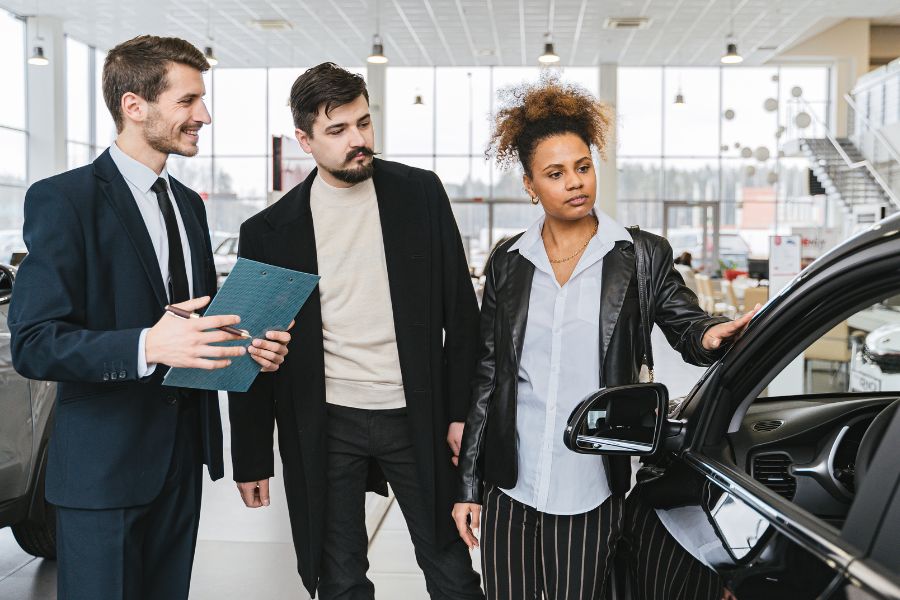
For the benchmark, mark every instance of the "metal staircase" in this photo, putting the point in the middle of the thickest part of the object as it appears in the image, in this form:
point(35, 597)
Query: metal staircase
point(845, 173)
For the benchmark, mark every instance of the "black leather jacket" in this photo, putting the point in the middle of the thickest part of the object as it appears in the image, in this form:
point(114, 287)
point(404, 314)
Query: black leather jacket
point(489, 450)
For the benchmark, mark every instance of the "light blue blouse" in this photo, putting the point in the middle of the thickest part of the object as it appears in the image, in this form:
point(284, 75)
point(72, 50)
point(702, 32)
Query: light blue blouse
point(560, 365)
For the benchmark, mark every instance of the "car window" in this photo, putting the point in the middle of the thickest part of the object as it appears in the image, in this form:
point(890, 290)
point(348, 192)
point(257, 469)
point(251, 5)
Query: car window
point(804, 436)
point(858, 354)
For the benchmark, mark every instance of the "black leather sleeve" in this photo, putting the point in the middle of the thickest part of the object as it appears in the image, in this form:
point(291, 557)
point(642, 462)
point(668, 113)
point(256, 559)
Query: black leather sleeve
point(676, 308)
point(482, 387)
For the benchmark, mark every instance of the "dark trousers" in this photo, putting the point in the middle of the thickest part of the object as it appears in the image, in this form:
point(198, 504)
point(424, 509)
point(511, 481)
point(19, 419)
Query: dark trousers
point(659, 568)
point(529, 555)
point(355, 437)
point(142, 552)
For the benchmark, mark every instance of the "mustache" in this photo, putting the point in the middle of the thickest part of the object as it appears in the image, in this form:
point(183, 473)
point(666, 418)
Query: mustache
point(193, 125)
point(365, 150)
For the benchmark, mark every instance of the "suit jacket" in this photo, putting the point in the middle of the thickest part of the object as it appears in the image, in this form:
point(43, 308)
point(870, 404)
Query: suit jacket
point(489, 449)
point(436, 322)
point(90, 283)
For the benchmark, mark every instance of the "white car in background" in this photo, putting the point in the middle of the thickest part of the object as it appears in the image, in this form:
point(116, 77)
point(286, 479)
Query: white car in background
point(225, 255)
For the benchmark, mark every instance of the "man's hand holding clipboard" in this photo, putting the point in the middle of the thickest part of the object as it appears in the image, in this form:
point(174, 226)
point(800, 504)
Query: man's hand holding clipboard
point(193, 342)
point(266, 298)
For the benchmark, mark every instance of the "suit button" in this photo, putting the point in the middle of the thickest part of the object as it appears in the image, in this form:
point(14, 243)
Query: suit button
point(106, 377)
point(171, 400)
point(122, 374)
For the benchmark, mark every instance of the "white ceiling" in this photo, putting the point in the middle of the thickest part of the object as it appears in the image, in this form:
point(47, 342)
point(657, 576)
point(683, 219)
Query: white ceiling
point(460, 32)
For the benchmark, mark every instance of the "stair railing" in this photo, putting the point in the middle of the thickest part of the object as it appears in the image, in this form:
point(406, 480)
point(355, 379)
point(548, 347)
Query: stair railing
point(851, 164)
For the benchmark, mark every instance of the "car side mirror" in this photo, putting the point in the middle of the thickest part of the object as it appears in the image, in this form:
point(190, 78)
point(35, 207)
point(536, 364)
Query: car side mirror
point(7, 278)
point(626, 420)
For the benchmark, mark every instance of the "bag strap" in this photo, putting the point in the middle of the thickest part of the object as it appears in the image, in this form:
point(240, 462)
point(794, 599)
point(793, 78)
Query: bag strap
point(643, 272)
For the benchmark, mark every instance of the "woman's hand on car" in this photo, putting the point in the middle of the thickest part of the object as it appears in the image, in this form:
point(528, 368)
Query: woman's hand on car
point(717, 335)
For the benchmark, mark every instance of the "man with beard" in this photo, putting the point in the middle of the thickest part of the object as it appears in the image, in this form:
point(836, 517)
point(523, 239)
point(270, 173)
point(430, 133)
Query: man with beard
point(110, 245)
point(377, 384)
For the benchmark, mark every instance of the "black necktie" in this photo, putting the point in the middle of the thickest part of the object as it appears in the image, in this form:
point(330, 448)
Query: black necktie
point(178, 283)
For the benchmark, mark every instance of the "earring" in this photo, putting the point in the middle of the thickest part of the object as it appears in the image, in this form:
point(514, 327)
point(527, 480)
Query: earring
point(535, 199)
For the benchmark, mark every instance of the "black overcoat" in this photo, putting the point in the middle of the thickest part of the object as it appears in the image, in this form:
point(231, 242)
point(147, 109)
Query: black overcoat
point(436, 321)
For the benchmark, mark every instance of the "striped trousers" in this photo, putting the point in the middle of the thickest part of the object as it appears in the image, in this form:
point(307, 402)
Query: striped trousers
point(530, 555)
point(659, 568)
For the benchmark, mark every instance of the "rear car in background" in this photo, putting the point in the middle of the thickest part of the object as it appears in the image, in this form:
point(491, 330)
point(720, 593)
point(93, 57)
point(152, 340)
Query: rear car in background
point(26, 418)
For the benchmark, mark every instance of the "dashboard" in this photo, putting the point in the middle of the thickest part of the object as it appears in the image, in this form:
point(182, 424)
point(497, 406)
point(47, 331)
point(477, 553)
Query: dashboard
point(804, 448)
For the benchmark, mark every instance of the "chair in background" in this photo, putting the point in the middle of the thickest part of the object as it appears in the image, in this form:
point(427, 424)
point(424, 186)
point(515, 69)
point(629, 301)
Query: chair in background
point(754, 296)
point(731, 299)
point(709, 301)
point(832, 348)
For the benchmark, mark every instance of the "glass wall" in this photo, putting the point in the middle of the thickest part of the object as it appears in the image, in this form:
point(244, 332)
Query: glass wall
point(722, 143)
point(89, 126)
point(13, 133)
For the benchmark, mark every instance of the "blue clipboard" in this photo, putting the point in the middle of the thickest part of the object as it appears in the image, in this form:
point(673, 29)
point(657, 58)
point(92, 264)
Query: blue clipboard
point(266, 298)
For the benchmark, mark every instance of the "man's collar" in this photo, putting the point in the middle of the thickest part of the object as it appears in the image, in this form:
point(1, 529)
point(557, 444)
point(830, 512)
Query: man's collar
point(135, 172)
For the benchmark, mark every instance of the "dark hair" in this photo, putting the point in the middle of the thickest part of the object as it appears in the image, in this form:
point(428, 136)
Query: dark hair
point(534, 112)
point(326, 84)
point(139, 66)
point(684, 258)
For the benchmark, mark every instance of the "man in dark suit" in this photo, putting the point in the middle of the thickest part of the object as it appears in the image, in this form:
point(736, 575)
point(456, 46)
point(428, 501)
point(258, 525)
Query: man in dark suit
point(377, 385)
point(110, 245)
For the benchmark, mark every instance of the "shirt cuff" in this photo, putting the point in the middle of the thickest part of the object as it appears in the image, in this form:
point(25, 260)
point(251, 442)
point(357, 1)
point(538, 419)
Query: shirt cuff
point(143, 368)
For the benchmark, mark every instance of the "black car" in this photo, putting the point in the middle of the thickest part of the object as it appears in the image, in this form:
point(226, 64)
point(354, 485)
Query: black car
point(26, 413)
point(780, 470)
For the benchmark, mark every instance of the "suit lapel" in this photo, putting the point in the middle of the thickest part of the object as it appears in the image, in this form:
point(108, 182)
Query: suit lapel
point(516, 295)
point(120, 198)
point(618, 269)
point(195, 238)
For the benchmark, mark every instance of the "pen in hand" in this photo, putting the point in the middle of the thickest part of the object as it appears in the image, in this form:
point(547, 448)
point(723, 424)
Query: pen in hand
point(180, 312)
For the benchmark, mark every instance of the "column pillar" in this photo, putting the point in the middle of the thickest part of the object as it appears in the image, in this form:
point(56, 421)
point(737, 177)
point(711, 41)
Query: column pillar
point(375, 82)
point(46, 96)
point(607, 171)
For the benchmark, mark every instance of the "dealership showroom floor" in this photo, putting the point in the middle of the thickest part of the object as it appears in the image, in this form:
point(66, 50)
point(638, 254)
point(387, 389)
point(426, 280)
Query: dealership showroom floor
point(244, 553)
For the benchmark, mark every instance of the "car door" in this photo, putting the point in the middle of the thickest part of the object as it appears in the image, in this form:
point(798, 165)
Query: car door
point(777, 512)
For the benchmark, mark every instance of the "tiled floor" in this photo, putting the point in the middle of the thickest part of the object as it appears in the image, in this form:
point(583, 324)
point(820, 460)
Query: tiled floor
point(245, 553)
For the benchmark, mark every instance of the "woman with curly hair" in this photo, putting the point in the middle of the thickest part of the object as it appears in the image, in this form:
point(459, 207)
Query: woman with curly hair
point(560, 319)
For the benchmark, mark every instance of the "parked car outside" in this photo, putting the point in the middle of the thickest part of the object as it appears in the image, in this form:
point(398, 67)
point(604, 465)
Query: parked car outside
point(225, 256)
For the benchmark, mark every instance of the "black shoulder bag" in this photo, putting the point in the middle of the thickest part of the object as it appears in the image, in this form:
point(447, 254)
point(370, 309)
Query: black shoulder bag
point(643, 275)
point(661, 483)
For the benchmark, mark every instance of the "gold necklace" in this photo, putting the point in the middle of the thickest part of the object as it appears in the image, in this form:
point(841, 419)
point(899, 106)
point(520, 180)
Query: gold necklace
point(579, 251)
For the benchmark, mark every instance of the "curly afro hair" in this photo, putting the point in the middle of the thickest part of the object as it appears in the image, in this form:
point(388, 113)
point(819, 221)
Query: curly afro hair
point(533, 112)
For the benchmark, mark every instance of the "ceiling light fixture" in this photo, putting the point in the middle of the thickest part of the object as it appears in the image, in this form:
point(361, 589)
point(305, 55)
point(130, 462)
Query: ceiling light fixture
point(37, 57)
point(418, 101)
point(549, 57)
point(731, 56)
point(679, 98)
point(377, 57)
point(210, 57)
point(208, 51)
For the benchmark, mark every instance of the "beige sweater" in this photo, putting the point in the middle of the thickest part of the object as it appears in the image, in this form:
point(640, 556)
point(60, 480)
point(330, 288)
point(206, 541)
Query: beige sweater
point(362, 366)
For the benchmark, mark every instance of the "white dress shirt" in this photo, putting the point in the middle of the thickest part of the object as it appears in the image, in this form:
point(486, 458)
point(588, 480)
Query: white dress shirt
point(140, 178)
point(560, 365)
